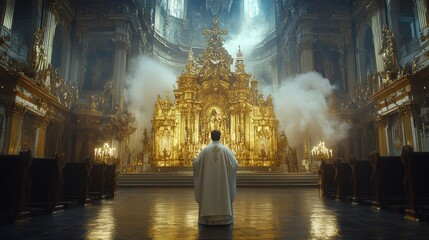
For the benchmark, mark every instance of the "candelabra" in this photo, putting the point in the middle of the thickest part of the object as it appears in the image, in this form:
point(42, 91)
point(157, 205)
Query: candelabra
point(105, 154)
point(320, 152)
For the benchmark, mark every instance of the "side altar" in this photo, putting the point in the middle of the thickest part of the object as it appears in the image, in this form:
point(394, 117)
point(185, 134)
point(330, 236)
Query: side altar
point(210, 96)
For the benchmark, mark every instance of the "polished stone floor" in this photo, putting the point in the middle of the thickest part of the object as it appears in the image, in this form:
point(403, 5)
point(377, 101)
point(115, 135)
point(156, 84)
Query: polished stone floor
point(171, 213)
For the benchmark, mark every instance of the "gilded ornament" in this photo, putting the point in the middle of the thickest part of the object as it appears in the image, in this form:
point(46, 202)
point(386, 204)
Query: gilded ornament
point(17, 110)
point(381, 121)
point(388, 51)
point(209, 96)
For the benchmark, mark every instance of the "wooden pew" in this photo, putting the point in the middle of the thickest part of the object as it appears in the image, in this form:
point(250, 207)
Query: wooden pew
point(14, 184)
point(416, 179)
point(97, 179)
point(343, 180)
point(75, 183)
point(326, 179)
point(110, 180)
point(388, 175)
point(45, 184)
point(362, 184)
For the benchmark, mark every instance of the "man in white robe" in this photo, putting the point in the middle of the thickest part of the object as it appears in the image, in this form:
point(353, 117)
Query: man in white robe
point(215, 171)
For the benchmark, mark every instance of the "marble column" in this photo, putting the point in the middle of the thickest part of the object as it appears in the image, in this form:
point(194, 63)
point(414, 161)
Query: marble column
point(350, 68)
point(377, 21)
point(275, 74)
point(77, 70)
point(6, 16)
point(376, 32)
point(120, 62)
point(360, 67)
point(305, 47)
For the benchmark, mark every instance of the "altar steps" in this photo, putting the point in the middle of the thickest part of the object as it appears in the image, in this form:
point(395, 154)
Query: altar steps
point(185, 179)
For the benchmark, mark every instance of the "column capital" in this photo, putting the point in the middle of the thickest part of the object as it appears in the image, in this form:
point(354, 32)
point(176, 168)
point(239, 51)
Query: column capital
point(373, 6)
point(16, 110)
point(43, 122)
point(305, 44)
point(55, 9)
point(408, 109)
point(381, 121)
point(122, 44)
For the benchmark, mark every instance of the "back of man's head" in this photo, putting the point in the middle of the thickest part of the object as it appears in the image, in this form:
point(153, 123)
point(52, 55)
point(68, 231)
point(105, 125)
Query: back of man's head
point(215, 135)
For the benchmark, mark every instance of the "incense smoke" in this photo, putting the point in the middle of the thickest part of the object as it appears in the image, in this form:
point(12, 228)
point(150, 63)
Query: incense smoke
point(145, 80)
point(251, 34)
point(302, 110)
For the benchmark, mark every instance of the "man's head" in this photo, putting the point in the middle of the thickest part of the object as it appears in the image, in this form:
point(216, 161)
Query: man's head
point(215, 135)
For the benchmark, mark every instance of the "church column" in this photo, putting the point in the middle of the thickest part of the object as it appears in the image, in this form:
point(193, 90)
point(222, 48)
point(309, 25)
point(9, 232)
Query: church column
point(423, 15)
point(350, 64)
point(275, 74)
point(51, 25)
point(377, 22)
point(197, 137)
point(305, 47)
point(360, 67)
point(14, 121)
point(382, 134)
point(6, 14)
point(59, 128)
point(362, 142)
point(122, 45)
point(41, 136)
point(77, 70)
point(233, 128)
point(247, 123)
point(407, 122)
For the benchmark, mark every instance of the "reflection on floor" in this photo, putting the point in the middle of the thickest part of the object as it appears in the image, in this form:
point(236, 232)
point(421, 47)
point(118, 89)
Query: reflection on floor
point(171, 213)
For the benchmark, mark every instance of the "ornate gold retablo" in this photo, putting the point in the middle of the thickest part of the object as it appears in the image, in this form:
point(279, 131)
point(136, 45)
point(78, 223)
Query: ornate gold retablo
point(209, 96)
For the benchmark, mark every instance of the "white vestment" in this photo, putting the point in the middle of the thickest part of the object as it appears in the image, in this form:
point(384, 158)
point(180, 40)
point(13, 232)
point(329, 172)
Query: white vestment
point(215, 171)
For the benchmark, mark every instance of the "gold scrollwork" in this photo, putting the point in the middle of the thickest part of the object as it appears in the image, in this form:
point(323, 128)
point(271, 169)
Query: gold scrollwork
point(381, 121)
point(17, 110)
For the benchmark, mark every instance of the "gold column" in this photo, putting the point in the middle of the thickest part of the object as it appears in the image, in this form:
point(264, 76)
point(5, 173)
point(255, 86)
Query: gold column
point(41, 137)
point(15, 119)
point(406, 114)
point(381, 122)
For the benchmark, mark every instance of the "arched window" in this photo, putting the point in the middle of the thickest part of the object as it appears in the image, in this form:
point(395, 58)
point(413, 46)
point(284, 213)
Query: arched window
point(175, 8)
point(251, 8)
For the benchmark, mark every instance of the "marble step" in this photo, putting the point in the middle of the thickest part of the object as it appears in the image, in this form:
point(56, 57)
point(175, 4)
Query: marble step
point(243, 180)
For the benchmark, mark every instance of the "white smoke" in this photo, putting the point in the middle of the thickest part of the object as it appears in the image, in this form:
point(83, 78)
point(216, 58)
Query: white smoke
point(302, 110)
point(145, 79)
point(252, 33)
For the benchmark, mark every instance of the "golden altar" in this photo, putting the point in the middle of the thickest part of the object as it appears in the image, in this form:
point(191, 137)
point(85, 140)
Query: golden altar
point(210, 96)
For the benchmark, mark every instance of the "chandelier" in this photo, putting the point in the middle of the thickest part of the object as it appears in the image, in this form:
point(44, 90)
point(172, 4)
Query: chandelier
point(320, 152)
